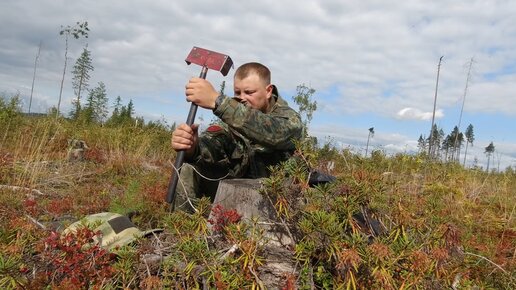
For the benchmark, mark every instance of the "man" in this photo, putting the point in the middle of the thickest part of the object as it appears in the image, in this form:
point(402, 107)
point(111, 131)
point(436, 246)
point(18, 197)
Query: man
point(258, 129)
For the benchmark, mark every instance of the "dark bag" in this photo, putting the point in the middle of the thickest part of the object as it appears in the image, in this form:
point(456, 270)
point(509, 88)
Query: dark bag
point(317, 177)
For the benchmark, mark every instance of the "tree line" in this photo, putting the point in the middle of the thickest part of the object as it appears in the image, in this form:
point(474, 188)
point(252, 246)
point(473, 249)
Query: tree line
point(448, 147)
point(94, 109)
point(89, 105)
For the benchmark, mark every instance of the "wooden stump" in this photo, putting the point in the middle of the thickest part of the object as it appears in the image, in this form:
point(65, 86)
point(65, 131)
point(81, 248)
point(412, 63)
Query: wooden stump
point(243, 196)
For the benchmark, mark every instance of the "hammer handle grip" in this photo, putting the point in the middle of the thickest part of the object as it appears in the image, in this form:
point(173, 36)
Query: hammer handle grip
point(171, 193)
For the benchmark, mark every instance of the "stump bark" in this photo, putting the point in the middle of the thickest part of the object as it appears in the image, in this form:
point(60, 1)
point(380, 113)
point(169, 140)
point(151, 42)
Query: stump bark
point(243, 196)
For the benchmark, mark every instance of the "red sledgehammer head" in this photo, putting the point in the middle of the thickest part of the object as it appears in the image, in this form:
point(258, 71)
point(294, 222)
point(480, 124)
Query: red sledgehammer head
point(210, 59)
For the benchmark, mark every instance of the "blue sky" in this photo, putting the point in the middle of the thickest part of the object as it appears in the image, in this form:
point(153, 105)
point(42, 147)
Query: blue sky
point(372, 63)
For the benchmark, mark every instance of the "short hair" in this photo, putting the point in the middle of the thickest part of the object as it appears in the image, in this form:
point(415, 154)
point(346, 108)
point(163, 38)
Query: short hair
point(246, 69)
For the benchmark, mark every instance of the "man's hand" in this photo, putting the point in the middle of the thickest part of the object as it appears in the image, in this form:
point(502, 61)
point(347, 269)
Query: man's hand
point(201, 92)
point(185, 138)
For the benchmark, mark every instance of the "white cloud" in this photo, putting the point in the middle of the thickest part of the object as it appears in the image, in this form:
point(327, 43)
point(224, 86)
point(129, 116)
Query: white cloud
point(374, 57)
point(416, 114)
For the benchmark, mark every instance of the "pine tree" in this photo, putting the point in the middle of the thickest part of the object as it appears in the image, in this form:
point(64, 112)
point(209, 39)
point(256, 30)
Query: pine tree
point(489, 150)
point(446, 145)
point(459, 141)
point(434, 141)
point(96, 106)
point(115, 115)
point(130, 110)
point(81, 76)
point(421, 144)
point(126, 114)
point(123, 115)
point(470, 137)
point(78, 30)
point(457, 138)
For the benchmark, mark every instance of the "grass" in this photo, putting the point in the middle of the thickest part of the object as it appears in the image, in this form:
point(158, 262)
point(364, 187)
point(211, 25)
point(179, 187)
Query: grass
point(443, 226)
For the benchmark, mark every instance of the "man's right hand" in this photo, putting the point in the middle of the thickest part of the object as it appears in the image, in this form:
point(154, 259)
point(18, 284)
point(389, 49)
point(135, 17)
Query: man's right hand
point(185, 138)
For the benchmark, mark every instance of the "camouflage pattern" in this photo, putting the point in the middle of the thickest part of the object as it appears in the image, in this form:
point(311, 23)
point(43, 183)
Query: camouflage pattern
point(192, 186)
point(116, 230)
point(243, 145)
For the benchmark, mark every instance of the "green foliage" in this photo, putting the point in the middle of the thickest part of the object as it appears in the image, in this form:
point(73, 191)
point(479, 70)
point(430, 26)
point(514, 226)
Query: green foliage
point(95, 110)
point(81, 76)
point(11, 268)
point(307, 106)
point(80, 29)
point(418, 203)
point(489, 150)
point(446, 148)
point(328, 151)
point(122, 115)
point(10, 111)
point(125, 266)
point(130, 201)
point(470, 135)
point(440, 225)
point(77, 31)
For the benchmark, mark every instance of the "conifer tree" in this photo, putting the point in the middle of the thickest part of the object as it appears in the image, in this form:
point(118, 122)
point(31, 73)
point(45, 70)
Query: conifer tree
point(470, 137)
point(434, 141)
point(129, 112)
point(421, 143)
point(77, 31)
point(96, 106)
point(456, 139)
point(115, 115)
point(489, 150)
point(81, 76)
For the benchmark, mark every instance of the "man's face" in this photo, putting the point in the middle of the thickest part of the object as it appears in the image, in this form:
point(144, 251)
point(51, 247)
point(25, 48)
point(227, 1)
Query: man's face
point(253, 92)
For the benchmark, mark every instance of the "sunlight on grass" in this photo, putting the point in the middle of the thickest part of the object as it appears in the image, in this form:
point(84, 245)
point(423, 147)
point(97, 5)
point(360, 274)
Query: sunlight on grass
point(438, 225)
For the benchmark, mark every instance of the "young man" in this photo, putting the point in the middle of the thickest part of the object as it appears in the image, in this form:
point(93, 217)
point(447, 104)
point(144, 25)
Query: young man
point(258, 129)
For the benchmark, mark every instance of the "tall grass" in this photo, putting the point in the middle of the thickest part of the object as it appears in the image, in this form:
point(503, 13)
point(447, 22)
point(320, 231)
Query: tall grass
point(444, 226)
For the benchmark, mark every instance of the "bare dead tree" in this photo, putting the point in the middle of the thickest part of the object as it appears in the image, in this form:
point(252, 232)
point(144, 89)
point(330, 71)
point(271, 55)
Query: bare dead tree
point(371, 134)
point(34, 75)
point(468, 78)
point(435, 102)
point(78, 30)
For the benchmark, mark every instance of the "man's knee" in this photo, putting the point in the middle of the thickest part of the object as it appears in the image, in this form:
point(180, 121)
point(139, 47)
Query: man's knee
point(194, 183)
point(186, 187)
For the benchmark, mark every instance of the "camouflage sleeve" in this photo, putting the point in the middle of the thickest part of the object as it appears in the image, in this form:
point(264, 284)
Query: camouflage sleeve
point(213, 147)
point(275, 130)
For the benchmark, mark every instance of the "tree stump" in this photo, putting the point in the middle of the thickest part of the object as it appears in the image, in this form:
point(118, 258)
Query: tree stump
point(243, 196)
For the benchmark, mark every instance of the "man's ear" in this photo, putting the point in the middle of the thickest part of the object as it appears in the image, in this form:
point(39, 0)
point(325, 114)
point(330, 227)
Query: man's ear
point(269, 89)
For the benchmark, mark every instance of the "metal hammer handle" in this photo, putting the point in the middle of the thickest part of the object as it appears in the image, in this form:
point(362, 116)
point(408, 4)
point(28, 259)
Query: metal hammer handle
point(171, 194)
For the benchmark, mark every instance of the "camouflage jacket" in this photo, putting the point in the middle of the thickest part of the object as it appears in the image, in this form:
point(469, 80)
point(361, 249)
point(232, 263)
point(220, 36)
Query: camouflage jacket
point(247, 140)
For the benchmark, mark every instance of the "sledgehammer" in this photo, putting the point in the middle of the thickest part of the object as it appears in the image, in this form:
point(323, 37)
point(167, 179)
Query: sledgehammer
point(207, 60)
